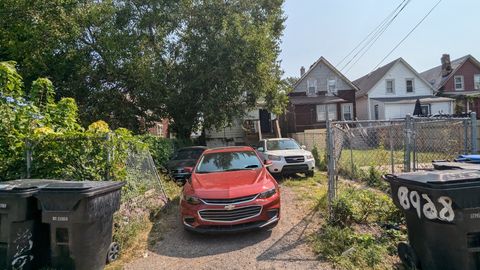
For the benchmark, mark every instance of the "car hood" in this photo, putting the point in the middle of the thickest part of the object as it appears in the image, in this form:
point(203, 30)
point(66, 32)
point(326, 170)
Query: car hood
point(172, 164)
point(232, 184)
point(291, 152)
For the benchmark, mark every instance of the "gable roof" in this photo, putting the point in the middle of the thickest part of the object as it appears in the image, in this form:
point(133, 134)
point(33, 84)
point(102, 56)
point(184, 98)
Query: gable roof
point(367, 82)
point(434, 75)
point(331, 67)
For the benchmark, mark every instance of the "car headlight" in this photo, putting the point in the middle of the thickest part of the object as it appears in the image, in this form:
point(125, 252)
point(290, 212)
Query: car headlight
point(267, 194)
point(273, 157)
point(192, 199)
point(309, 156)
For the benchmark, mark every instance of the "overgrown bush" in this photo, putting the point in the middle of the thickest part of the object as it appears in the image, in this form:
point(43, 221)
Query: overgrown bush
point(348, 249)
point(320, 160)
point(160, 148)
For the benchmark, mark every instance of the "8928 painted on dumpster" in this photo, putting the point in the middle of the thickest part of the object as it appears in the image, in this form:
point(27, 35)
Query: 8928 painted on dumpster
point(425, 206)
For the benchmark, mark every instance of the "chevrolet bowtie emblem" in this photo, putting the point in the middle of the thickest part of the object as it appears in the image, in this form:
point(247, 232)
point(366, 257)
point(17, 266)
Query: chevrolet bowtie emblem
point(230, 207)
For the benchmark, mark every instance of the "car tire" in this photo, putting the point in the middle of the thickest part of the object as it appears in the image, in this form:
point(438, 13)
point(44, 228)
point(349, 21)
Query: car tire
point(310, 173)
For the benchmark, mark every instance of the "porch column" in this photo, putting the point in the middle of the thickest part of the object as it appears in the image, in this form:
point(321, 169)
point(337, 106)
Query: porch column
point(259, 127)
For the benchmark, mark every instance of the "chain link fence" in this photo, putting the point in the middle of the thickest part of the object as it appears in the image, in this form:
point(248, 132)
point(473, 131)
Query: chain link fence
point(357, 149)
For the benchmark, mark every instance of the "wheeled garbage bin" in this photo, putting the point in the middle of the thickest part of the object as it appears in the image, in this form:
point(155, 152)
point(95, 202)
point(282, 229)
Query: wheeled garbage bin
point(80, 217)
point(442, 210)
point(23, 244)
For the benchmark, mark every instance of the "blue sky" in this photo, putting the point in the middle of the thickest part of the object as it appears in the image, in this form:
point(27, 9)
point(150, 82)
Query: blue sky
point(331, 29)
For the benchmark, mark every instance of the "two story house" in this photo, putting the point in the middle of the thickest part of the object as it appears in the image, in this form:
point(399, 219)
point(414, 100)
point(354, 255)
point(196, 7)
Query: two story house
point(458, 79)
point(321, 93)
point(392, 90)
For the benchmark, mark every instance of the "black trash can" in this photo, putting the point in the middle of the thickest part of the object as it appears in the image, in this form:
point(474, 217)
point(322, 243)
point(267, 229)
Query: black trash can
point(442, 210)
point(23, 244)
point(80, 217)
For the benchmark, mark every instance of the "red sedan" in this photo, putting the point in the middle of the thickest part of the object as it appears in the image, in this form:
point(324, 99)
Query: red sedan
point(230, 190)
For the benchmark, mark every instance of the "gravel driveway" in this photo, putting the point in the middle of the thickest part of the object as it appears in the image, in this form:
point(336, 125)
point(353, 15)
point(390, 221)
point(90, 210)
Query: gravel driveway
point(283, 247)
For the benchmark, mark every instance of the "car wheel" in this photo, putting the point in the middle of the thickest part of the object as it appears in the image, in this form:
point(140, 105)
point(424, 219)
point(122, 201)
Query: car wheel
point(310, 173)
point(113, 252)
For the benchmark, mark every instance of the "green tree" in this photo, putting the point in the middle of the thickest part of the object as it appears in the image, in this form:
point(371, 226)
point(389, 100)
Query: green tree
point(227, 60)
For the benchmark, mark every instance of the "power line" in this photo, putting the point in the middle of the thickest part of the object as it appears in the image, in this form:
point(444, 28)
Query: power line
point(373, 31)
point(408, 34)
point(377, 35)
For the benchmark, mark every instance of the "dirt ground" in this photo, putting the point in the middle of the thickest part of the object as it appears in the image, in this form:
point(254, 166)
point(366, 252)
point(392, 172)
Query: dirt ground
point(283, 247)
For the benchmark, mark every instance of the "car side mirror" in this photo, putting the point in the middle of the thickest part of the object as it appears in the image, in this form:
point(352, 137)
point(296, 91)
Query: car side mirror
point(260, 149)
point(304, 147)
point(267, 163)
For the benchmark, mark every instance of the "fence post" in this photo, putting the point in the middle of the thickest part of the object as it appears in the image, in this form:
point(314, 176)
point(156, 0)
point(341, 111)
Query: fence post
point(408, 141)
point(28, 156)
point(331, 165)
point(390, 137)
point(474, 134)
point(109, 157)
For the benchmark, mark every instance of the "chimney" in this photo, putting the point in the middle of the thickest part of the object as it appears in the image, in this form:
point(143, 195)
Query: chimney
point(446, 65)
point(302, 71)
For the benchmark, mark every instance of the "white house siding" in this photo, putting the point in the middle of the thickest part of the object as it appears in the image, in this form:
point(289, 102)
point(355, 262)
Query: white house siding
point(401, 110)
point(399, 72)
point(362, 111)
point(322, 74)
point(228, 136)
point(381, 110)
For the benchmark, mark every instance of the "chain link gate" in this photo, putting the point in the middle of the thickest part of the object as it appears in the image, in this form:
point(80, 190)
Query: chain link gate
point(393, 146)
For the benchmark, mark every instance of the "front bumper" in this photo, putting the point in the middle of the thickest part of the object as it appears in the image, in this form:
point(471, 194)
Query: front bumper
point(283, 167)
point(268, 216)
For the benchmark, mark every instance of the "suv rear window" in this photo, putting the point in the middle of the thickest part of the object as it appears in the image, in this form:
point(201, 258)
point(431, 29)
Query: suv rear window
point(282, 145)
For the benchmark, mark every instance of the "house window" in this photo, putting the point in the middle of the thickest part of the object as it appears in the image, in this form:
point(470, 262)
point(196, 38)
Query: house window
point(322, 112)
point(159, 129)
point(476, 81)
point(375, 112)
point(390, 86)
point(347, 111)
point(312, 87)
point(425, 109)
point(332, 86)
point(458, 83)
point(409, 83)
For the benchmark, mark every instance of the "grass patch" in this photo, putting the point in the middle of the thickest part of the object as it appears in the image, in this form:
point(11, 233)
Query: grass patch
point(140, 227)
point(363, 231)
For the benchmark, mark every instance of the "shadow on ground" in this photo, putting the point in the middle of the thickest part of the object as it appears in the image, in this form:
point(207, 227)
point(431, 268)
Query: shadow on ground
point(176, 242)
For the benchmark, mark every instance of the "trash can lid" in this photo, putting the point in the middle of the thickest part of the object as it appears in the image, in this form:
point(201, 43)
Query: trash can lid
point(84, 188)
point(445, 165)
point(441, 177)
point(23, 185)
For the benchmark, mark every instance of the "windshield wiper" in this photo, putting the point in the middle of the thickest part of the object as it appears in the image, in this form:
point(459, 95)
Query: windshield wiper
point(251, 166)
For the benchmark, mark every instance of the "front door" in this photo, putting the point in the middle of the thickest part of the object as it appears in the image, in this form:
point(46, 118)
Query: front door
point(265, 122)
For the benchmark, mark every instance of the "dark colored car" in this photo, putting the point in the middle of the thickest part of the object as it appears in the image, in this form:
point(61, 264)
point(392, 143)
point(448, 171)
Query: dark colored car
point(184, 157)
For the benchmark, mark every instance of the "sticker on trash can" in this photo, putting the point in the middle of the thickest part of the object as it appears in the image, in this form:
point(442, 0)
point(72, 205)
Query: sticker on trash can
point(412, 199)
point(3, 206)
point(60, 218)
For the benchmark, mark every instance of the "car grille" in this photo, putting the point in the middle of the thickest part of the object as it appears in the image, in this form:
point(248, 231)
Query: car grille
point(295, 168)
point(295, 159)
point(223, 215)
point(230, 201)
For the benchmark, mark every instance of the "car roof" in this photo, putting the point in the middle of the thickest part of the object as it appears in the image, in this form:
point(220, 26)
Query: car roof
point(228, 149)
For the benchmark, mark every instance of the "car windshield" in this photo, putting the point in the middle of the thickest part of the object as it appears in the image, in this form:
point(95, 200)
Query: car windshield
point(228, 161)
point(282, 145)
point(188, 154)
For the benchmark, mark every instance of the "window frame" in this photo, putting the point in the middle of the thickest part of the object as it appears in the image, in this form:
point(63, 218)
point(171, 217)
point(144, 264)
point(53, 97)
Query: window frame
point(324, 112)
point(350, 106)
point(376, 112)
point(309, 83)
point(455, 82)
point(429, 109)
point(413, 85)
point(476, 77)
point(334, 90)
point(393, 86)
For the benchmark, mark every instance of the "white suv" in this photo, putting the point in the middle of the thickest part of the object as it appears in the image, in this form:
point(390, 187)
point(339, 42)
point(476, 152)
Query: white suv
point(287, 156)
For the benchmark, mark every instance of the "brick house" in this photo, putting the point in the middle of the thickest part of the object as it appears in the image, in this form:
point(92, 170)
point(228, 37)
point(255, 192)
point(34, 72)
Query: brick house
point(458, 79)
